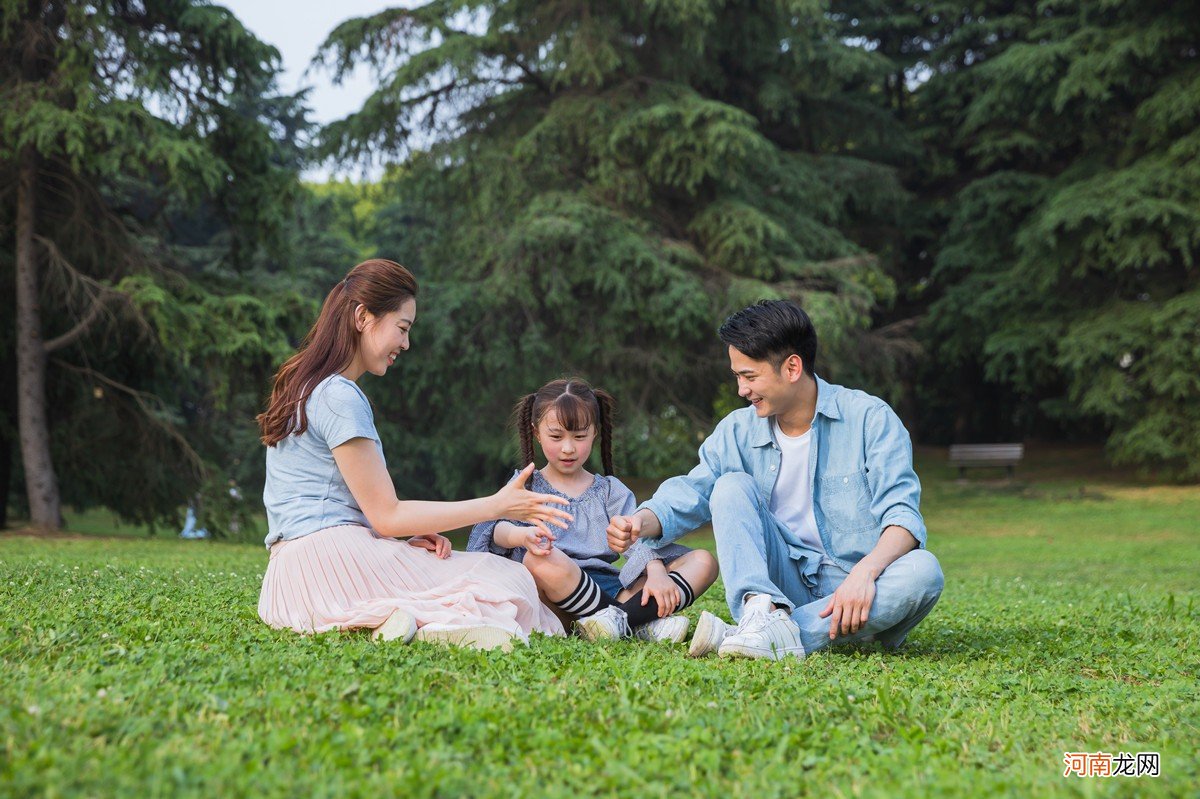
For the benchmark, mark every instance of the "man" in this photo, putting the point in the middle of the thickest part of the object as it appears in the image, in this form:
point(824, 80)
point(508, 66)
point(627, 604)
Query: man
point(813, 501)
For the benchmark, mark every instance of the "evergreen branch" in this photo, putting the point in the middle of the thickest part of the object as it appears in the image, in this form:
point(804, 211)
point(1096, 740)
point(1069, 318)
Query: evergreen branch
point(74, 275)
point(96, 220)
point(93, 313)
point(374, 39)
point(897, 340)
point(534, 77)
point(100, 295)
point(145, 402)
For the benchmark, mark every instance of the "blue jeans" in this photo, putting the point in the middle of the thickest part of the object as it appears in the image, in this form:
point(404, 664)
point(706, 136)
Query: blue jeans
point(755, 558)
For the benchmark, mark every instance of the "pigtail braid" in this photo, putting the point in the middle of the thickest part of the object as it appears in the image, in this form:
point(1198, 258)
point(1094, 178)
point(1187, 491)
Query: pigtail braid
point(607, 407)
point(525, 433)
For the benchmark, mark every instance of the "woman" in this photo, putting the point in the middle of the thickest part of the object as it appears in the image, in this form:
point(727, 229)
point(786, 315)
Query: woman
point(334, 519)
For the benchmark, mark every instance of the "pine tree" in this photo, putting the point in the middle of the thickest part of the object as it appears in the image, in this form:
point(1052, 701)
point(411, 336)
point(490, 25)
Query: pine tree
point(591, 187)
point(119, 118)
point(1069, 266)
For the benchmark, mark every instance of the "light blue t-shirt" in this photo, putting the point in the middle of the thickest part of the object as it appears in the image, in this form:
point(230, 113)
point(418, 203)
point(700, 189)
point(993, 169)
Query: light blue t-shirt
point(304, 491)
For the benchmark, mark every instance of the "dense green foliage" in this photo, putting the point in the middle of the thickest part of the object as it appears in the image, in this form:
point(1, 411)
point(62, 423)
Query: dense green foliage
point(137, 667)
point(599, 194)
point(166, 171)
point(990, 209)
point(1070, 256)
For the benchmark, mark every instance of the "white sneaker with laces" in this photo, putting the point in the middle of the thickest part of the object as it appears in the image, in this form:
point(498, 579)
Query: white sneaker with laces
point(400, 626)
point(773, 636)
point(710, 632)
point(611, 622)
point(672, 628)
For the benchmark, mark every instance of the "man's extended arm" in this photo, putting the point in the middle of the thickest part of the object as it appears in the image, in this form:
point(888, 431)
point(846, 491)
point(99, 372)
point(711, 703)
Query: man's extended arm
point(679, 506)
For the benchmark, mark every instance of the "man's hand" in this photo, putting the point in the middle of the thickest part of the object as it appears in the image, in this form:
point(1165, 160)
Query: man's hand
point(660, 586)
point(437, 544)
point(623, 532)
point(851, 603)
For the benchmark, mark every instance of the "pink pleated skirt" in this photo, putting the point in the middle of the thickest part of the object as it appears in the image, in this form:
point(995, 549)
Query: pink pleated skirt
point(344, 577)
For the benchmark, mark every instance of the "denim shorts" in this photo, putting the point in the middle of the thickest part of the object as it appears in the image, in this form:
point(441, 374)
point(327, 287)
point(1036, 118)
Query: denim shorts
point(609, 583)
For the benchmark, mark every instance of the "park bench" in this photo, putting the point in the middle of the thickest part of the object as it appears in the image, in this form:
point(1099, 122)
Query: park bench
point(967, 456)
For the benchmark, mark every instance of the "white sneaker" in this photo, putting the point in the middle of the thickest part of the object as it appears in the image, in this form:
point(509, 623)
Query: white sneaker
point(710, 632)
point(480, 636)
point(773, 636)
point(399, 626)
point(611, 622)
point(672, 628)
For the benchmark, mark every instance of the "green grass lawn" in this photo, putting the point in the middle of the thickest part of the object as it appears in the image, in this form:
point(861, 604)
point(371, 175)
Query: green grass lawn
point(138, 667)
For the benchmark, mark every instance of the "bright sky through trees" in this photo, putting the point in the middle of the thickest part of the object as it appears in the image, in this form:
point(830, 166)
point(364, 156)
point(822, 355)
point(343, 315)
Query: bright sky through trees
point(296, 28)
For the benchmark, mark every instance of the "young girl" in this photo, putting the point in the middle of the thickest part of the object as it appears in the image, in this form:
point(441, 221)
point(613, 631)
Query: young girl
point(573, 567)
point(333, 518)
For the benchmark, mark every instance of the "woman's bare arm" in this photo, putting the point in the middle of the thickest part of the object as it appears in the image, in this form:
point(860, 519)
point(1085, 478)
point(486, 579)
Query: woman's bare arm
point(363, 469)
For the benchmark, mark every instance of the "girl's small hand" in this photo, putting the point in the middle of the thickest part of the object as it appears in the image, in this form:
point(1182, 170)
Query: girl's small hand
point(538, 542)
point(437, 544)
point(664, 590)
point(515, 502)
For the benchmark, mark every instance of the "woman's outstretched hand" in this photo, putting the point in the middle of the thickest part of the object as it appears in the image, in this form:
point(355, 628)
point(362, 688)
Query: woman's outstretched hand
point(514, 501)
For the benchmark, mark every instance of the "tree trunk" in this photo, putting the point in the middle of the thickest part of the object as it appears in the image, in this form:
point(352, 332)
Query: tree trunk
point(8, 409)
point(41, 483)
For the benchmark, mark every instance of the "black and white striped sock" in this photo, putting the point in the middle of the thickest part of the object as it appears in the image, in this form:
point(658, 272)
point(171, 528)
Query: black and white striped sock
point(688, 596)
point(587, 598)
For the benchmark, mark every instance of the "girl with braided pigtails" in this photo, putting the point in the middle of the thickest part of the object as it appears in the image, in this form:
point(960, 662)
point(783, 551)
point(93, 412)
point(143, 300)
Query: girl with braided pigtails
point(574, 567)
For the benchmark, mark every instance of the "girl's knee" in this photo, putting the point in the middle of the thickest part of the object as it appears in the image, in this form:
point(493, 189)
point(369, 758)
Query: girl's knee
point(699, 567)
point(550, 565)
point(536, 563)
point(707, 562)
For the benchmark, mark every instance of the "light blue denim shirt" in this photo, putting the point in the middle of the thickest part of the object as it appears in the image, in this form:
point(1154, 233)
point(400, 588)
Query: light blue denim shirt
point(860, 465)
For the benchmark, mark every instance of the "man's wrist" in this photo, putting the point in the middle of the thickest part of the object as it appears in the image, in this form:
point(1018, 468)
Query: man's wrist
point(651, 527)
point(868, 569)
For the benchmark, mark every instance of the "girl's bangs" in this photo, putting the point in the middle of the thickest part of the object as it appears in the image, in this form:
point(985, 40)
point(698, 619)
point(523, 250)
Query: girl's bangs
point(574, 413)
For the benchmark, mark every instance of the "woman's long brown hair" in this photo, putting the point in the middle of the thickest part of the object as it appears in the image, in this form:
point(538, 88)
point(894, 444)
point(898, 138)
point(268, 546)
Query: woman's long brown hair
point(577, 406)
point(378, 285)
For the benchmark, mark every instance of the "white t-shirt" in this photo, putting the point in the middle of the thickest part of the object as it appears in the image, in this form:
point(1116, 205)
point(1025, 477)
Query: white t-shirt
point(792, 499)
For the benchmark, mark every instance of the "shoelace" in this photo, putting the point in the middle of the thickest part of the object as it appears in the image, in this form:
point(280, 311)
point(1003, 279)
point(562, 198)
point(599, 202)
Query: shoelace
point(622, 621)
point(753, 622)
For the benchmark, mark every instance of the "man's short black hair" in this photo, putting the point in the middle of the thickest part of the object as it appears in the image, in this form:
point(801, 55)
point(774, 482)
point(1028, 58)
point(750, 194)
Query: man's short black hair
point(772, 330)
